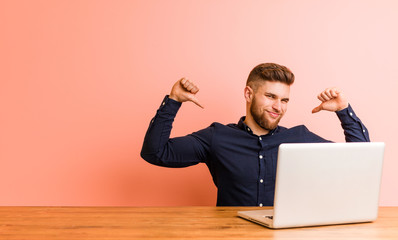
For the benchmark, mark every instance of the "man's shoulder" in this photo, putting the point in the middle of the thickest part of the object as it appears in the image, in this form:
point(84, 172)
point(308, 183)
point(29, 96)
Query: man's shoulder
point(218, 129)
point(281, 129)
point(298, 134)
point(218, 125)
point(226, 126)
point(292, 128)
point(298, 128)
point(295, 129)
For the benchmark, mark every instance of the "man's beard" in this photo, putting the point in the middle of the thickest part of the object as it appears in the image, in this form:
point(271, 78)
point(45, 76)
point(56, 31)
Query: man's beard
point(260, 119)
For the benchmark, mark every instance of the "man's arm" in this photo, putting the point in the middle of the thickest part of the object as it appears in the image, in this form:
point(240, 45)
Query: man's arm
point(333, 100)
point(158, 148)
point(354, 129)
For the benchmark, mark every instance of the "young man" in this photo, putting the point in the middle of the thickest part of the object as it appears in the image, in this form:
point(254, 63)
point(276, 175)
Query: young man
point(242, 157)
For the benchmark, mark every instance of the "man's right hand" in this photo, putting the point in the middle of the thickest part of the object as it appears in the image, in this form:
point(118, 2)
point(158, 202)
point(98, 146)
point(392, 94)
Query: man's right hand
point(185, 90)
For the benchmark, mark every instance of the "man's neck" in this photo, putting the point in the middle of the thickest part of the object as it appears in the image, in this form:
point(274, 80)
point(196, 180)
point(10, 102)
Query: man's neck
point(255, 128)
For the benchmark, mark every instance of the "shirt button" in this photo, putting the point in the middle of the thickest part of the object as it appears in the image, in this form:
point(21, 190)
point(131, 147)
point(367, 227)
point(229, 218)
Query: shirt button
point(363, 130)
point(261, 156)
point(260, 138)
point(163, 103)
point(261, 181)
point(260, 204)
point(350, 113)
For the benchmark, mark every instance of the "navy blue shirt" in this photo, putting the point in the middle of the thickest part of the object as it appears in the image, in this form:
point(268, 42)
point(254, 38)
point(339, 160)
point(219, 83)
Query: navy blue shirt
point(242, 164)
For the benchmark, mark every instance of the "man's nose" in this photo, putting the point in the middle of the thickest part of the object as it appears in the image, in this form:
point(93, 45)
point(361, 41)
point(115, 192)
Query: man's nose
point(277, 105)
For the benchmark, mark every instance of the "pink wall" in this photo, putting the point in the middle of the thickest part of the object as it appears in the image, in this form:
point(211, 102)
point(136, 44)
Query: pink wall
point(80, 80)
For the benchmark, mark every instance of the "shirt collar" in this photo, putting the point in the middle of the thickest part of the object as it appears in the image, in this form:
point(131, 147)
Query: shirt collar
point(242, 125)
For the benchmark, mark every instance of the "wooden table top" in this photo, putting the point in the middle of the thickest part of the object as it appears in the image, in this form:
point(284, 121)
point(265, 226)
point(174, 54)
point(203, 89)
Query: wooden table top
point(171, 223)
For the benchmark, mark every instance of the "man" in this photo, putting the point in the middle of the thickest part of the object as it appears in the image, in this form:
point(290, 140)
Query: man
point(242, 157)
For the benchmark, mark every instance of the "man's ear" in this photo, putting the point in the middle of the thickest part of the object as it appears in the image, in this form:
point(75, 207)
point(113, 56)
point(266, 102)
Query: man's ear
point(248, 93)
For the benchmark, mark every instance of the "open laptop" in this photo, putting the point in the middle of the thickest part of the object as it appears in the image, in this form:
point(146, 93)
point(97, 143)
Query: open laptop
point(324, 184)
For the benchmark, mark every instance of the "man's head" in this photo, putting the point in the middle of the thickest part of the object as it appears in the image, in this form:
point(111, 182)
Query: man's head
point(267, 94)
point(269, 72)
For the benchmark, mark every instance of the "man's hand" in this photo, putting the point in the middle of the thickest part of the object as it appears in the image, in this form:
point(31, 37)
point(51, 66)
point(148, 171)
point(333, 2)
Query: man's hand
point(332, 100)
point(185, 90)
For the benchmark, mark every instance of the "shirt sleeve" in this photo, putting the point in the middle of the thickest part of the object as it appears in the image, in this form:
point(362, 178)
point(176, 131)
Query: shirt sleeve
point(354, 129)
point(159, 149)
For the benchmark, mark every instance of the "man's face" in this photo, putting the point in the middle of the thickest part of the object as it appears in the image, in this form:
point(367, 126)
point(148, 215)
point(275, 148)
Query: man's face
point(269, 103)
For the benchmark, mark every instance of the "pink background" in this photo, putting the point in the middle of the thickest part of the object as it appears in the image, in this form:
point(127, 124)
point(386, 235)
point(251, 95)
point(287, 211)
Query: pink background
point(80, 81)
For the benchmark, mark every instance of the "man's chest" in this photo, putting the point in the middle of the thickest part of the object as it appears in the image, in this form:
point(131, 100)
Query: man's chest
point(245, 161)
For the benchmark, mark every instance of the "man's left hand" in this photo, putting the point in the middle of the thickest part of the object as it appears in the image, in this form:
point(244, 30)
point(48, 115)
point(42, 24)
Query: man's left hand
point(332, 100)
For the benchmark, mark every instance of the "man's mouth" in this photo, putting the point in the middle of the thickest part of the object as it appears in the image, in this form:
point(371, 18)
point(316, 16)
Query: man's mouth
point(274, 115)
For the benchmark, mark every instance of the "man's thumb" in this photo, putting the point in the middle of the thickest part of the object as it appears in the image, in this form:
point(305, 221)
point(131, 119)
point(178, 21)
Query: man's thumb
point(317, 109)
point(194, 100)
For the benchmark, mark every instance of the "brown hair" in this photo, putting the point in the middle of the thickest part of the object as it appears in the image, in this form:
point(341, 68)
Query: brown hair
point(270, 72)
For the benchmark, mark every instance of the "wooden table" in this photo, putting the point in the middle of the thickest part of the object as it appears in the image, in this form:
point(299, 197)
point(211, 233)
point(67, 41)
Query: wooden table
point(170, 223)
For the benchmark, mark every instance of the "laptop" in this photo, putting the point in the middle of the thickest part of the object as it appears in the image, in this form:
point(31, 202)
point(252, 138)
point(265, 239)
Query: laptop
point(324, 184)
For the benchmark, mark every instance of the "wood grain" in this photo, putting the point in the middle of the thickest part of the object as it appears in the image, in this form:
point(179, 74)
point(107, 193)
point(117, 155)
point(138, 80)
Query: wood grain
point(170, 223)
